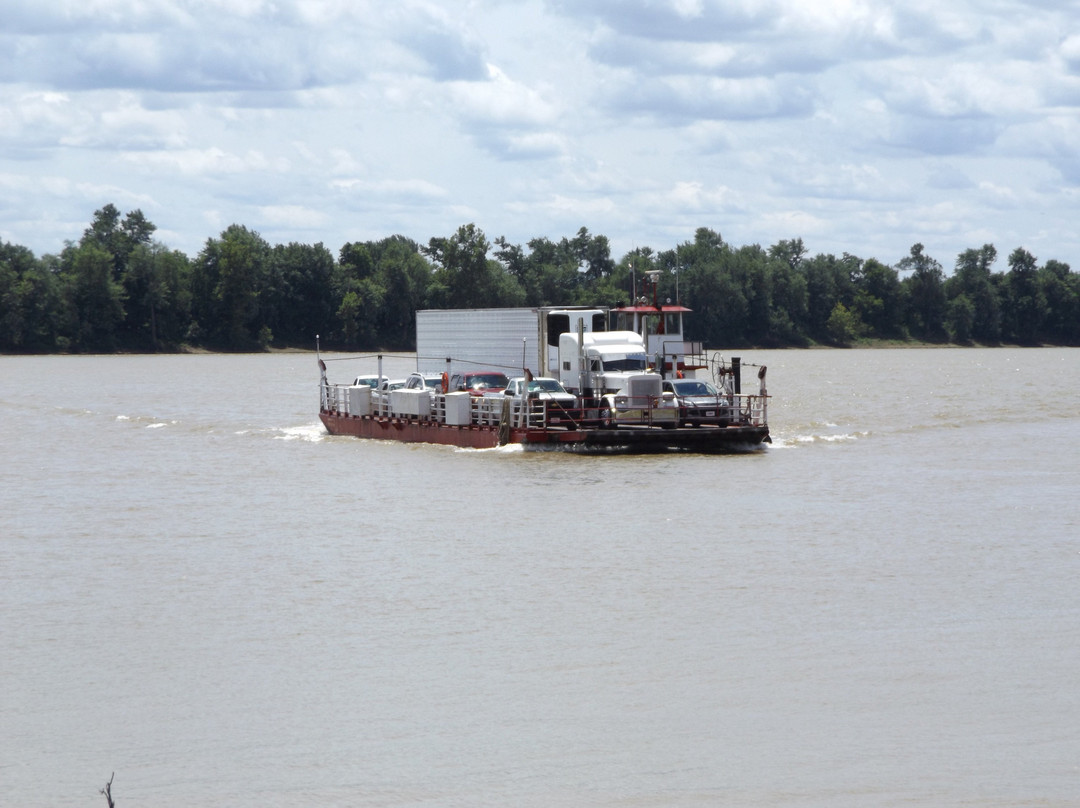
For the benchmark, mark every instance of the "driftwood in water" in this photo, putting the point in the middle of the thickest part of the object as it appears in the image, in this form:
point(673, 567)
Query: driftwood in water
point(107, 791)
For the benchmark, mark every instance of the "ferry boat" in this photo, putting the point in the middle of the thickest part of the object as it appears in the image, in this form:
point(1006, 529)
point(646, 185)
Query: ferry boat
point(617, 390)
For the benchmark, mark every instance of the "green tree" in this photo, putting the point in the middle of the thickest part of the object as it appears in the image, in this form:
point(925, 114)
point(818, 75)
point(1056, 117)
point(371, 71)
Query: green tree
point(973, 280)
point(594, 254)
point(550, 274)
point(104, 231)
point(465, 277)
point(515, 262)
point(120, 237)
point(960, 319)
point(93, 301)
point(159, 298)
point(227, 277)
point(749, 267)
point(361, 297)
point(844, 325)
point(1027, 303)
point(1061, 289)
point(297, 301)
point(791, 252)
point(789, 304)
point(381, 285)
point(828, 282)
point(925, 294)
point(172, 278)
point(708, 286)
point(29, 301)
point(879, 299)
point(404, 274)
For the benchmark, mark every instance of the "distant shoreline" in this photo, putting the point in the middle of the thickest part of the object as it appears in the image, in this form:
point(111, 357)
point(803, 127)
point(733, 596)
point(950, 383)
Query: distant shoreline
point(292, 349)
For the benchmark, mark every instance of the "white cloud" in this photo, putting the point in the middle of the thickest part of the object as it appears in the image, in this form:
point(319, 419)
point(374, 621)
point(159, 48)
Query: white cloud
point(1070, 50)
point(805, 224)
point(210, 161)
point(446, 48)
point(402, 189)
point(568, 208)
point(294, 216)
point(694, 197)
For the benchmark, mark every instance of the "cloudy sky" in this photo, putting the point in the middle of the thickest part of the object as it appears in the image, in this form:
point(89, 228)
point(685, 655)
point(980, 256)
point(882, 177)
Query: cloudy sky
point(859, 126)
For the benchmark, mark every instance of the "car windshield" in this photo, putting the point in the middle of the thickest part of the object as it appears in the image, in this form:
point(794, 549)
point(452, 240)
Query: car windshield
point(546, 385)
point(481, 380)
point(691, 387)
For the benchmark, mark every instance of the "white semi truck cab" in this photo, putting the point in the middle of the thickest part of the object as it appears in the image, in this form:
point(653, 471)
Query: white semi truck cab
point(602, 362)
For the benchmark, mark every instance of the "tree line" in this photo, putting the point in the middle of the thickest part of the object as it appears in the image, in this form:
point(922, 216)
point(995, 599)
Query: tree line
point(118, 289)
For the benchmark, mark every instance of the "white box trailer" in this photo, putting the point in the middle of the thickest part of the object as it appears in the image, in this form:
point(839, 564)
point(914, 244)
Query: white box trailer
point(507, 339)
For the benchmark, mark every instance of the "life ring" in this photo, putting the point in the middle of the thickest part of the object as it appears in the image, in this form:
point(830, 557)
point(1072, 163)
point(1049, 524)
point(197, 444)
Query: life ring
point(445, 384)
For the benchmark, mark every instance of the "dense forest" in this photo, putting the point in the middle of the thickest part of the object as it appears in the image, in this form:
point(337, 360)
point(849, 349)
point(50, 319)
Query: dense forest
point(118, 289)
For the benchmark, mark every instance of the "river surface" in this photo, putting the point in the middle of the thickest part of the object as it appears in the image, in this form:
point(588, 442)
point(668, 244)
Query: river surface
point(204, 593)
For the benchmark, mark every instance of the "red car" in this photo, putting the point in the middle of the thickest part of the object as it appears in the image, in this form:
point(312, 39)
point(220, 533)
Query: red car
point(478, 382)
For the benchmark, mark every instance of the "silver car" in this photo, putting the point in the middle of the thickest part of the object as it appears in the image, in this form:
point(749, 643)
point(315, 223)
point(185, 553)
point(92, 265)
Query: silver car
point(699, 401)
point(544, 389)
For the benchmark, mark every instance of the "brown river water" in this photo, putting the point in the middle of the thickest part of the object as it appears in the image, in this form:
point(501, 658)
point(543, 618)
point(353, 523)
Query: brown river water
point(204, 593)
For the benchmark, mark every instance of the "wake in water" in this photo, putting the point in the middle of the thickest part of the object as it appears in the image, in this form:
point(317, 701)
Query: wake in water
point(313, 433)
point(149, 421)
point(816, 434)
point(510, 448)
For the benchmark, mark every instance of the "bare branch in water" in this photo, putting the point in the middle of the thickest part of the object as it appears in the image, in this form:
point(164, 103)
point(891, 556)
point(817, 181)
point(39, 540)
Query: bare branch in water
point(107, 791)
